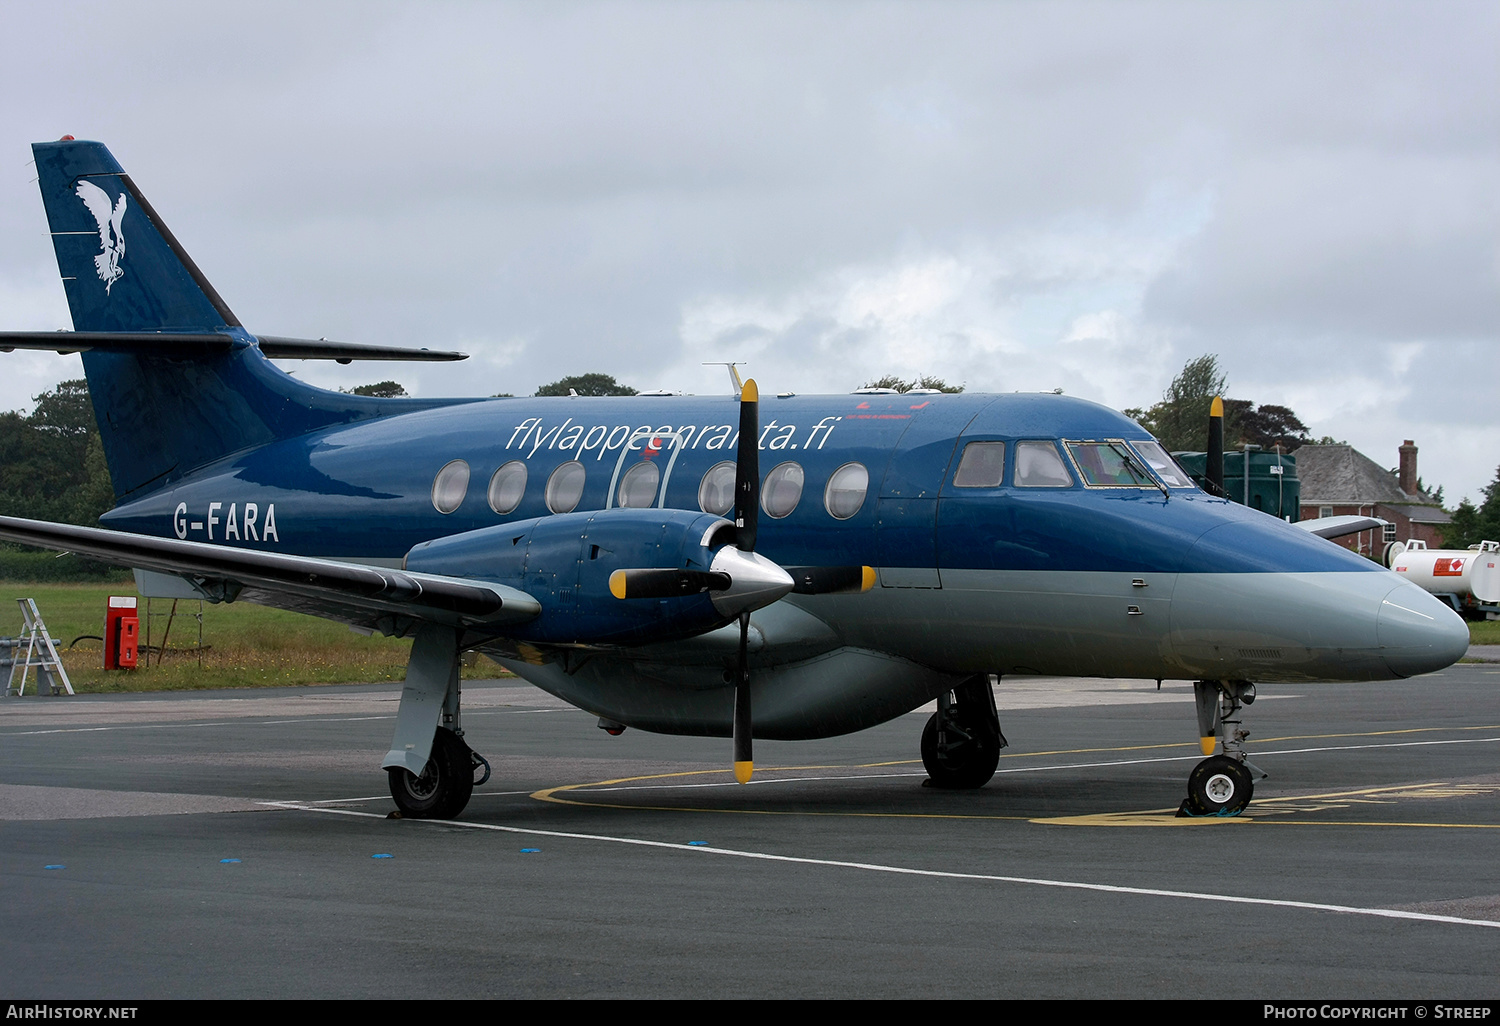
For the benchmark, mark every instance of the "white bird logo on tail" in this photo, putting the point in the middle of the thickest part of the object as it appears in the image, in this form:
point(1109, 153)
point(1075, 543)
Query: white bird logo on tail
point(111, 242)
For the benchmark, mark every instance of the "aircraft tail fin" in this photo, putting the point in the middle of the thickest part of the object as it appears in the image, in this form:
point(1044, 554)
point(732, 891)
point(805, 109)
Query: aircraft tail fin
point(176, 381)
point(122, 268)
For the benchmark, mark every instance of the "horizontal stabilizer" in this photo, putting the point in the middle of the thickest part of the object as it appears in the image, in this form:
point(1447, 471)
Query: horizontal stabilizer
point(1337, 527)
point(362, 593)
point(190, 344)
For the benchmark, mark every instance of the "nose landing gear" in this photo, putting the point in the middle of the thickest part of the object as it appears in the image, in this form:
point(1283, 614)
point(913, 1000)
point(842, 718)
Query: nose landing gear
point(1223, 784)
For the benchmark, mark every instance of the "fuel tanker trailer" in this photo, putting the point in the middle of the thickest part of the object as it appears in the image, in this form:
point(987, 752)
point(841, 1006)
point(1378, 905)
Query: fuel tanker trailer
point(1468, 578)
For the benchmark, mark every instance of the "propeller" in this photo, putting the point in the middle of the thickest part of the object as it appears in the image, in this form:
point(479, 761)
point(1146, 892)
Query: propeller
point(746, 518)
point(740, 580)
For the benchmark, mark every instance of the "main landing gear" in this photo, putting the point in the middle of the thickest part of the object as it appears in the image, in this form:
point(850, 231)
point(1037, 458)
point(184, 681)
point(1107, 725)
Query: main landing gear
point(1221, 785)
point(432, 769)
point(961, 742)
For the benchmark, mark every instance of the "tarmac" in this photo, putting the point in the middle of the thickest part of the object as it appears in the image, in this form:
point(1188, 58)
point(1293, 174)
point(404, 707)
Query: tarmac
point(236, 844)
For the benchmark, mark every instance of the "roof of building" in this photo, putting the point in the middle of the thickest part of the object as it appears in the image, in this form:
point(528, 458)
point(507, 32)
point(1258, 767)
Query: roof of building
point(1419, 514)
point(1339, 475)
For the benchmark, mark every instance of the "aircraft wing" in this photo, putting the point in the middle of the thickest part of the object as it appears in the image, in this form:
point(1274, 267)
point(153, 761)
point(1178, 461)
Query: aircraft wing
point(390, 601)
point(1337, 527)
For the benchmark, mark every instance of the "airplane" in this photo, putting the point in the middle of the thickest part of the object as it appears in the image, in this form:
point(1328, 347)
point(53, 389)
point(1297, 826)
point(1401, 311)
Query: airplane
point(629, 556)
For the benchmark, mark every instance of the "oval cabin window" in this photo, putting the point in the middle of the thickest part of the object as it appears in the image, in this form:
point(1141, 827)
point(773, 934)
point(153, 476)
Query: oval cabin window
point(450, 486)
point(846, 489)
point(507, 487)
point(716, 492)
point(638, 486)
point(565, 487)
point(782, 490)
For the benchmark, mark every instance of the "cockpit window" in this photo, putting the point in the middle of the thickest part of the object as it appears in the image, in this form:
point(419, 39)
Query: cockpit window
point(981, 466)
point(1109, 465)
point(1163, 465)
point(1039, 465)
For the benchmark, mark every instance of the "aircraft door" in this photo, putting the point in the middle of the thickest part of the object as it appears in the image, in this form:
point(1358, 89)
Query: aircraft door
point(906, 507)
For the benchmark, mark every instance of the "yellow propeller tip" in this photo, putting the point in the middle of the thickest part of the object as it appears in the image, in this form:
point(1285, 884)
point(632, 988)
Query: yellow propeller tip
point(743, 771)
point(1217, 408)
point(750, 394)
point(617, 584)
point(1206, 744)
point(866, 578)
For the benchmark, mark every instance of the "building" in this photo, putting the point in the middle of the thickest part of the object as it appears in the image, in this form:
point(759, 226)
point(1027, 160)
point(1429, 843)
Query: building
point(1339, 480)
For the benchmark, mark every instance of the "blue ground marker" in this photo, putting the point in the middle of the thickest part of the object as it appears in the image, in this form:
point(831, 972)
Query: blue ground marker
point(382, 855)
point(54, 867)
point(698, 844)
point(530, 851)
point(225, 861)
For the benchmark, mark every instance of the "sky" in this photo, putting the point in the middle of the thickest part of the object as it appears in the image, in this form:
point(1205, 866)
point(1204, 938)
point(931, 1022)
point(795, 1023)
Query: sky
point(1011, 196)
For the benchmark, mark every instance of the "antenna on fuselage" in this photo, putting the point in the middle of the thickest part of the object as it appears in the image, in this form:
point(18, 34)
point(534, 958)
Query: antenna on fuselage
point(734, 375)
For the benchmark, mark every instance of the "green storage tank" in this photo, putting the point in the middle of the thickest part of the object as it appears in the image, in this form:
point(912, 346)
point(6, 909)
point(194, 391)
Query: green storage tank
point(1274, 487)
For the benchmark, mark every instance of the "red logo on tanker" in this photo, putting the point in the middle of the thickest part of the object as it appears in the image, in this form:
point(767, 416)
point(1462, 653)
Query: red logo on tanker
point(1448, 567)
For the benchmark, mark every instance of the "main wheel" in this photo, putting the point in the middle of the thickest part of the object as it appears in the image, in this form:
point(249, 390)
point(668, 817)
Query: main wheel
point(965, 759)
point(443, 788)
point(1219, 786)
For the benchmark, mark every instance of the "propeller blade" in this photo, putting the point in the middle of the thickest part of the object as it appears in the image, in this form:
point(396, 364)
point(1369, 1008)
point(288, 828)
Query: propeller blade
point(747, 469)
point(650, 583)
point(744, 759)
point(830, 580)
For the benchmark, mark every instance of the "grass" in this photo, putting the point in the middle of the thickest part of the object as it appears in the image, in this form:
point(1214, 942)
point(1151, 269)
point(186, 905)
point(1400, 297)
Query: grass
point(1484, 632)
point(244, 645)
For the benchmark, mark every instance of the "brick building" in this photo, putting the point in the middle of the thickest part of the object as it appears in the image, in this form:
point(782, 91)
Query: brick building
point(1339, 479)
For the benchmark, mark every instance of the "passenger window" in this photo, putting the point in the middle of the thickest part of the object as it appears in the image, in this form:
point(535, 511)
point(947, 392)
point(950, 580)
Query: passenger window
point(638, 486)
point(450, 485)
point(716, 492)
point(507, 487)
point(1108, 464)
point(982, 465)
point(1039, 465)
point(782, 490)
point(1164, 466)
point(565, 487)
point(846, 489)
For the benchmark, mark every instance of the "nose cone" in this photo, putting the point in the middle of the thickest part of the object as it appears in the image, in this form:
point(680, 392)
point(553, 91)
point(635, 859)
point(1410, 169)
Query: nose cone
point(1418, 633)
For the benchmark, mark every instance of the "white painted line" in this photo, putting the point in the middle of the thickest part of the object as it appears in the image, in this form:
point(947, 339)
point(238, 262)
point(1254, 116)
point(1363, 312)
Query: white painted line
point(872, 867)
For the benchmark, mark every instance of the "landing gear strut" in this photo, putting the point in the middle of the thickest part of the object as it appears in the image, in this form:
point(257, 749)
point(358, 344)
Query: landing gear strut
point(961, 742)
point(432, 769)
point(1221, 785)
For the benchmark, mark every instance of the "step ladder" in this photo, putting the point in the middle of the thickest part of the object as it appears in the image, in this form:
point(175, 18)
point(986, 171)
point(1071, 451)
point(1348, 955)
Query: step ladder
point(40, 652)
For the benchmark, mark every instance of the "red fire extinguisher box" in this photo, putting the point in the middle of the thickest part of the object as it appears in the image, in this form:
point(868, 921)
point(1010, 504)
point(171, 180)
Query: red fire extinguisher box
point(122, 630)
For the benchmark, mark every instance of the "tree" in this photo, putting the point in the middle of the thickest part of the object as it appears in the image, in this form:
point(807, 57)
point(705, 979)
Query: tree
point(1472, 523)
point(1180, 420)
point(380, 389)
point(52, 461)
point(1266, 426)
point(900, 384)
point(586, 384)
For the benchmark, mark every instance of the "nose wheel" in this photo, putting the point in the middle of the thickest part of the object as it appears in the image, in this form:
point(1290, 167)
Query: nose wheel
point(1221, 785)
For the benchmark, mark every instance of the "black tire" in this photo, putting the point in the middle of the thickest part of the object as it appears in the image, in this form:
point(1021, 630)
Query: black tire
point(1219, 786)
point(963, 763)
point(444, 787)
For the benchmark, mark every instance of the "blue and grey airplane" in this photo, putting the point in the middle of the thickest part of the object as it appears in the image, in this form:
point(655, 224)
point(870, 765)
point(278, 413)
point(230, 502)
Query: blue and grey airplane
point(785, 566)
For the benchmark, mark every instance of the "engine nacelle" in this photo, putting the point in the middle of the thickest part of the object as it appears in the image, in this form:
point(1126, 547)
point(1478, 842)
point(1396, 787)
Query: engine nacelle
point(565, 562)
